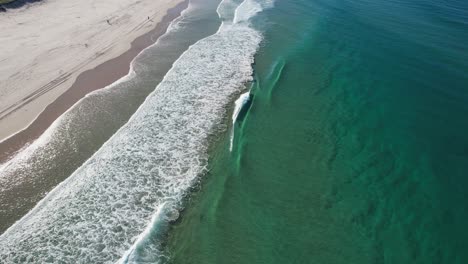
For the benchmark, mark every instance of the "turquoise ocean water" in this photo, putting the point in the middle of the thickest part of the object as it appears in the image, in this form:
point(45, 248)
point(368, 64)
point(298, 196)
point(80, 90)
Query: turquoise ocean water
point(354, 148)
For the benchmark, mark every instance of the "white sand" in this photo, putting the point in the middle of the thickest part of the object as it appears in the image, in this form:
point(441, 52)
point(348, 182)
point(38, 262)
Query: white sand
point(44, 42)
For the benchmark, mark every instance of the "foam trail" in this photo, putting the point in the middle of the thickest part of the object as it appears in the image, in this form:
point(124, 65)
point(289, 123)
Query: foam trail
point(98, 214)
point(240, 102)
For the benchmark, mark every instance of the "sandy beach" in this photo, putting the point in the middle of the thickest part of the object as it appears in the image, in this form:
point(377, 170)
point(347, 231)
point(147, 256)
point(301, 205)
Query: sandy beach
point(47, 45)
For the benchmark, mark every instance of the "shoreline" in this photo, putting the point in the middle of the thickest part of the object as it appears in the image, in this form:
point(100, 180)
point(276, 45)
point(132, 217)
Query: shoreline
point(41, 67)
point(86, 82)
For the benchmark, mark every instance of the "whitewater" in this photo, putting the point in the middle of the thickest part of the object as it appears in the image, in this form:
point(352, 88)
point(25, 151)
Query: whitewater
point(113, 207)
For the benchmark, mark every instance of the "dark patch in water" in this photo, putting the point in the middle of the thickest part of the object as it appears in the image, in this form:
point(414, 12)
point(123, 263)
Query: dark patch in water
point(16, 4)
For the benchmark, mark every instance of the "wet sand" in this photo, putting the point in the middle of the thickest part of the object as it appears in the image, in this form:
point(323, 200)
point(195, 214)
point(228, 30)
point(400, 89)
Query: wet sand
point(88, 81)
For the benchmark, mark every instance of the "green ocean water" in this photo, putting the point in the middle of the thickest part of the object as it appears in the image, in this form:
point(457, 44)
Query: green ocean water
point(354, 148)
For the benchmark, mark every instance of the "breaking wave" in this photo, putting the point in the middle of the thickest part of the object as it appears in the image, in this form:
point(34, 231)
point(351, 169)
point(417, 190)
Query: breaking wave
point(238, 105)
point(115, 206)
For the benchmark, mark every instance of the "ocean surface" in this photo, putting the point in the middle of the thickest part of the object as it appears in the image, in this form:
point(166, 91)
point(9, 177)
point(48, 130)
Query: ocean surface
point(262, 131)
point(353, 147)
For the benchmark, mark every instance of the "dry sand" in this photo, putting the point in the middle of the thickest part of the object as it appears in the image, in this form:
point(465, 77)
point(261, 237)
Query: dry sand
point(45, 46)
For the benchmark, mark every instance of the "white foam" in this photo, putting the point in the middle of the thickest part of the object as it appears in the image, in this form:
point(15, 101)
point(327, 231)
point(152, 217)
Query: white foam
point(100, 211)
point(179, 22)
point(249, 8)
point(240, 102)
point(132, 256)
point(226, 10)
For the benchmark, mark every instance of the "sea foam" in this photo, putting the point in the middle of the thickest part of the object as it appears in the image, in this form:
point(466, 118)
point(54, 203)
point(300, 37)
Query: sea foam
point(109, 208)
